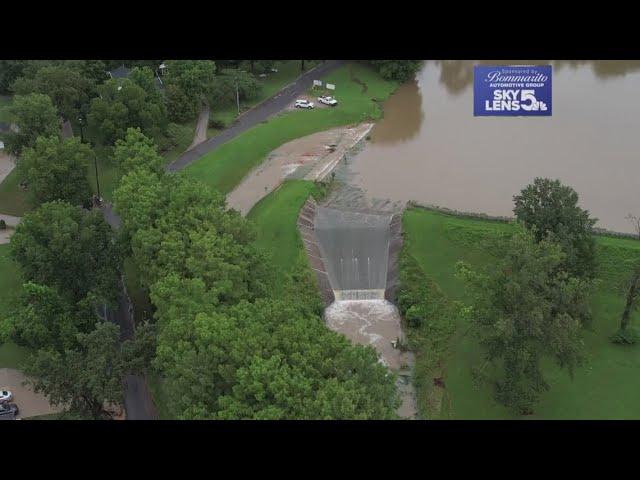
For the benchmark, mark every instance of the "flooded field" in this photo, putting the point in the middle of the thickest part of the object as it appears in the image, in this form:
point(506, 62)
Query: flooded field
point(431, 149)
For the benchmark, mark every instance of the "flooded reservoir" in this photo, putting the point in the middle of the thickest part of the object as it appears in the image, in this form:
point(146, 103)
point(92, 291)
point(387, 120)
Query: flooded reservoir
point(431, 149)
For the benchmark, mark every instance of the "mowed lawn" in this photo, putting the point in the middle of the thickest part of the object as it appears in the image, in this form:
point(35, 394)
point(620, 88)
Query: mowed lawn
point(5, 103)
point(275, 218)
point(604, 388)
point(227, 165)
point(288, 71)
point(11, 356)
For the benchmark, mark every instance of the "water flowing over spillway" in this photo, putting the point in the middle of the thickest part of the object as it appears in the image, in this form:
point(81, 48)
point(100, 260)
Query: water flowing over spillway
point(355, 247)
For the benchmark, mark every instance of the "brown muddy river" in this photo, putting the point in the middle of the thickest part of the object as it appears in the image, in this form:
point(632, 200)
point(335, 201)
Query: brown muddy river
point(431, 149)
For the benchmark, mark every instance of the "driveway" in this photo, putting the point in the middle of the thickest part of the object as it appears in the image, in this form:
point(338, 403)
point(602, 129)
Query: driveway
point(29, 402)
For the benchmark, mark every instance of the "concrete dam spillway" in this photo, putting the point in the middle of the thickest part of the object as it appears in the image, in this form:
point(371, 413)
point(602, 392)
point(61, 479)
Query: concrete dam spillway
point(355, 248)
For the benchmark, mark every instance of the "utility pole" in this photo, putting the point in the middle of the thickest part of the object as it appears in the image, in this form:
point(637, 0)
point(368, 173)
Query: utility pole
point(238, 96)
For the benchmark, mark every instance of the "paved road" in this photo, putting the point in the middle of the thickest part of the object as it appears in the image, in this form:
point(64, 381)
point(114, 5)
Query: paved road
point(258, 114)
point(138, 401)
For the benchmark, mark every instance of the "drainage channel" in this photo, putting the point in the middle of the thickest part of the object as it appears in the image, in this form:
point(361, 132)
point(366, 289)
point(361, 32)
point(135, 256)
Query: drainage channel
point(349, 251)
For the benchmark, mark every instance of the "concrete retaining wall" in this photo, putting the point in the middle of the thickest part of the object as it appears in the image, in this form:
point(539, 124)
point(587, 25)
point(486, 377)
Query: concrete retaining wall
point(395, 247)
point(306, 219)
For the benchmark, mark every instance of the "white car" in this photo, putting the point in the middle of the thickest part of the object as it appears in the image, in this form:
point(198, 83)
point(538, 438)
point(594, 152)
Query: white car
point(303, 104)
point(5, 396)
point(332, 102)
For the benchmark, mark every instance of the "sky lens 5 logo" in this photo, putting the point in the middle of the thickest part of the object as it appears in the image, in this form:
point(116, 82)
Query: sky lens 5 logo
point(511, 90)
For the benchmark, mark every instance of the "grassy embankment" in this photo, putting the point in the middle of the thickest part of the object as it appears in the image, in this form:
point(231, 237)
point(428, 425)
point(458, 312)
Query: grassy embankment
point(602, 389)
point(225, 167)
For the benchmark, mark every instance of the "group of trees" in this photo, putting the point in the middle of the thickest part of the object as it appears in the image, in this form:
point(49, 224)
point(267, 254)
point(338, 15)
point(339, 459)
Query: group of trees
point(399, 70)
point(48, 92)
point(225, 347)
point(70, 263)
point(532, 301)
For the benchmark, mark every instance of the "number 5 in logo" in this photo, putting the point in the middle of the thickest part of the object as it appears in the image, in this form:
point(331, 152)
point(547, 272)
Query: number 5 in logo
point(529, 95)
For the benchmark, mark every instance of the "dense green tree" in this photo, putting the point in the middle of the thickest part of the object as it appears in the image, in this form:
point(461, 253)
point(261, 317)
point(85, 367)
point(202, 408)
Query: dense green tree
point(123, 104)
point(135, 151)
point(526, 308)
point(399, 70)
point(10, 70)
point(180, 107)
point(551, 210)
point(229, 84)
point(626, 334)
point(194, 77)
point(69, 249)
point(56, 169)
point(266, 360)
point(35, 116)
point(68, 89)
point(94, 70)
point(44, 319)
point(87, 378)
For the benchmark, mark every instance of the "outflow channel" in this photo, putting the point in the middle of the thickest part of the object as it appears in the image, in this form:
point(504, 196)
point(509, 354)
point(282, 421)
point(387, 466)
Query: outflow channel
point(355, 253)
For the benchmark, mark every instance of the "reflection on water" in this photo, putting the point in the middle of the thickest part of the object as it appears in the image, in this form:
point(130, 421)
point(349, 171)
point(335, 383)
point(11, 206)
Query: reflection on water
point(431, 149)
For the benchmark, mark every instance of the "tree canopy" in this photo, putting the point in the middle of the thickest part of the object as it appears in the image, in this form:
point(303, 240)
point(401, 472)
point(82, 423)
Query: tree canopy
point(56, 169)
point(69, 249)
point(86, 378)
point(526, 308)
point(193, 77)
point(400, 70)
point(551, 209)
point(35, 116)
point(122, 104)
point(68, 89)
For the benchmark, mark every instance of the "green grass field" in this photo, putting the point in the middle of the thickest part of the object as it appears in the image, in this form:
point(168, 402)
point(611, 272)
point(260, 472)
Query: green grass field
point(11, 356)
point(5, 103)
point(226, 166)
point(275, 218)
point(604, 388)
point(288, 71)
point(13, 200)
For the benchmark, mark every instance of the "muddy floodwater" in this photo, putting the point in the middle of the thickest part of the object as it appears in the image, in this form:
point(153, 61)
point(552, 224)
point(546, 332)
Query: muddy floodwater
point(431, 149)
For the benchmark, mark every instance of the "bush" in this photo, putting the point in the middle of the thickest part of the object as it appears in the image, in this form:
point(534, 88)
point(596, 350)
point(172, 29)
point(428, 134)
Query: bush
point(217, 123)
point(171, 138)
point(180, 108)
point(628, 336)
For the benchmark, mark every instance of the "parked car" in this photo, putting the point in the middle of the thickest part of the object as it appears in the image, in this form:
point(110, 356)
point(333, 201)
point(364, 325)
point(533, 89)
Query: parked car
point(332, 102)
point(5, 396)
point(304, 104)
point(9, 410)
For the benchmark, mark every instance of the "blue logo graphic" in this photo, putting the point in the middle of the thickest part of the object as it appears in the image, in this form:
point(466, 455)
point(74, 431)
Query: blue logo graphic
point(512, 90)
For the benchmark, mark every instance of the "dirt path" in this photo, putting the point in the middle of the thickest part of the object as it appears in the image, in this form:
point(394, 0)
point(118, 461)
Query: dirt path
point(7, 164)
point(29, 402)
point(201, 127)
point(312, 158)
